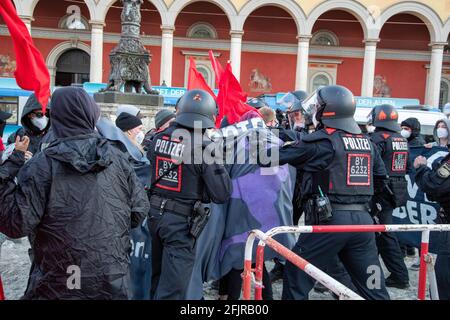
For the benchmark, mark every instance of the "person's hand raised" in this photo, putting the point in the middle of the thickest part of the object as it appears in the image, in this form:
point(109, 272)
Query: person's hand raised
point(22, 144)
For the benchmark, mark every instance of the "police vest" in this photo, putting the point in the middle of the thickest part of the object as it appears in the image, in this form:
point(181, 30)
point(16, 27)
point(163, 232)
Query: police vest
point(395, 156)
point(351, 170)
point(171, 177)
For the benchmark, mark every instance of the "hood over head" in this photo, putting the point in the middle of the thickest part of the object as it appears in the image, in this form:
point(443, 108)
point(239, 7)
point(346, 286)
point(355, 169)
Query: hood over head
point(74, 112)
point(31, 105)
point(414, 125)
point(447, 122)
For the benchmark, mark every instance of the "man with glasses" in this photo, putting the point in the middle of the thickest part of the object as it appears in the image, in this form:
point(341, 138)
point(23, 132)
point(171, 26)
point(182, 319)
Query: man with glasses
point(35, 124)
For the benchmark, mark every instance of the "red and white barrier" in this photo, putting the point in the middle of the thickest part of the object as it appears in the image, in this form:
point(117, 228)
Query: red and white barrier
point(2, 294)
point(255, 275)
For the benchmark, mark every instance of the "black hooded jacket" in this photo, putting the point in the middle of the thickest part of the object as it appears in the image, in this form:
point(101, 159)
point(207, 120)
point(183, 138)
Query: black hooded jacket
point(78, 199)
point(416, 139)
point(28, 129)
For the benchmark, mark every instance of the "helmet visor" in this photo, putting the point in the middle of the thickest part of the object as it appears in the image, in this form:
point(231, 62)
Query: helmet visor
point(310, 105)
point(288, 100)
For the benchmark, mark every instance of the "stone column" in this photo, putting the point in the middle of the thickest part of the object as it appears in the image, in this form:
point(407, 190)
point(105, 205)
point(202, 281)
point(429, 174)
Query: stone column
point(368, 76)
point(235, 52)
point(301, 76)
point(435, 75)
point(96, 71)
point(27, 20)
point(166, 54)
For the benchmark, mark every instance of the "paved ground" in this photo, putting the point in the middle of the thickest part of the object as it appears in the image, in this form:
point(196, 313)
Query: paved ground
point(15, 265)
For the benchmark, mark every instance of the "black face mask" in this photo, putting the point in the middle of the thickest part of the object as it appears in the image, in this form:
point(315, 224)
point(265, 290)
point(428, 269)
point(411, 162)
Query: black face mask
point(2, 127)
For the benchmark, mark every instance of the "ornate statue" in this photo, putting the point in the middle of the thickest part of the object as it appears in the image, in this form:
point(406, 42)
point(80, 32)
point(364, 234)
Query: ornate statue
point(129, 59)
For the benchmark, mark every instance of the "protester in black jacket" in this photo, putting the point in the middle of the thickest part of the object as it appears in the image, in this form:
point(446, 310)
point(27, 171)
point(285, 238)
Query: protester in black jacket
point(35, 124)
point(78, 199)
point(411, 131)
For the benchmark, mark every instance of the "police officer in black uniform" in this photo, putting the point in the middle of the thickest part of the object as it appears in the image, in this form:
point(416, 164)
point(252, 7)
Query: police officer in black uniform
point(436, 184)
point(181, 183)
point(341, 170)
point(394, 151)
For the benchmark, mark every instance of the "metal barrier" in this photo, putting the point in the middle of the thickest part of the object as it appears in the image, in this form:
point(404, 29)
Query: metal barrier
point(255, 275)
point(2, 294)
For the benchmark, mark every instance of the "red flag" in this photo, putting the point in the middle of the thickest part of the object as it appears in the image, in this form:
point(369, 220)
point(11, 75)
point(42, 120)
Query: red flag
point(231, 98)
point(31, 72)
point(196, 80)
point(217, 67)
point(2, 294)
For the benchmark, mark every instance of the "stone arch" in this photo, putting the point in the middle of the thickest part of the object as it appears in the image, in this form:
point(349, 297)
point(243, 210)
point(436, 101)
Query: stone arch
point(423, 12)
point(58, 50)
point(360, 12)
point(226, 5)
point(104, 5)
point(290, 6)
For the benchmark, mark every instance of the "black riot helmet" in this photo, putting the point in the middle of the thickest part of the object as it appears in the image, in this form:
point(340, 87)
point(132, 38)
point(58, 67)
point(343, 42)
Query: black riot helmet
point(300, 95)
point(336, 107)
point(196, 106)
point(385, 116)
point(256, 103)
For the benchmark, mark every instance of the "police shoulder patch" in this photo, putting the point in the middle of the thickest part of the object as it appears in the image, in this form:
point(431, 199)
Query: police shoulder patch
point(444, 170)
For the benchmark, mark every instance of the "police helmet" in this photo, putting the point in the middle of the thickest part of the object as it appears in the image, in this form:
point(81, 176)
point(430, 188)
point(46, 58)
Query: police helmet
point(336, 107)
point(300, 95)
point(385, 116)
point(291, 98)
point(256, 103)
point(196, 106)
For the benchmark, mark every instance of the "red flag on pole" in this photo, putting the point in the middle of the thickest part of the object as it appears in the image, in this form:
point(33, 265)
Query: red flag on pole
point(196, 80)
point(31, 72)
point(2, 294)
point(217, 67)
point(231, 98)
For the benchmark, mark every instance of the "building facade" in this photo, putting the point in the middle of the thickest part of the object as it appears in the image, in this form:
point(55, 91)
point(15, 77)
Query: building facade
point(389, 48)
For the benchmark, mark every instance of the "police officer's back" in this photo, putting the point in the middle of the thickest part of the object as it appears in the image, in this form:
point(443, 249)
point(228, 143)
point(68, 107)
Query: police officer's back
point(341, 163)
point(394, 151)
point(180, 183)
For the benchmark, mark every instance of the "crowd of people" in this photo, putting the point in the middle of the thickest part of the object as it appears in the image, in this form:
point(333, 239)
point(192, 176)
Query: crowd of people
point(76, 184)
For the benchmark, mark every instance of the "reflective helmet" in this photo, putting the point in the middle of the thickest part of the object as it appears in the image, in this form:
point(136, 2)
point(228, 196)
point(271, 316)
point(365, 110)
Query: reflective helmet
point(196, 106)
point(335, 108)
point(385, 116)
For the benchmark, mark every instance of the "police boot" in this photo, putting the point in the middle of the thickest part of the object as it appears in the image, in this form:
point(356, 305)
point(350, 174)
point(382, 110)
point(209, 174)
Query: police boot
point(277, 272)
point(320, 288)
point(394, 283)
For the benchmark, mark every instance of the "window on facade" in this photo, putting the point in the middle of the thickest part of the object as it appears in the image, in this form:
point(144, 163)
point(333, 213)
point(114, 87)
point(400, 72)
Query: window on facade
point(325, 38)
point(205, 73)
point(202, 30)
point(320, 80)
point(443, 96)
point(72, 22)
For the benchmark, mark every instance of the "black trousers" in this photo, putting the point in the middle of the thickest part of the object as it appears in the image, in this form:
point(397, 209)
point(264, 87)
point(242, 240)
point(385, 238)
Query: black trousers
point(389, 247)
point(442, 267)
point(357, 252)
point(173, 255)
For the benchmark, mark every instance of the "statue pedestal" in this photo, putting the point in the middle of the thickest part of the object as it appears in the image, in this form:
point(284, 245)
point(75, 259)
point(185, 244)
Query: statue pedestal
point(149, 105)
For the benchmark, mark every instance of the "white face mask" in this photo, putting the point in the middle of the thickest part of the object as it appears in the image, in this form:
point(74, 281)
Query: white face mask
point(405, 133)
point(40, 123)
point(370, 129)
point(140, 137)
point(442, 133)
